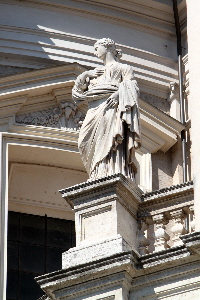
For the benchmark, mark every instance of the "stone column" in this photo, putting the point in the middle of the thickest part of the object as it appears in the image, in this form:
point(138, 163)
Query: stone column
point(193, 21)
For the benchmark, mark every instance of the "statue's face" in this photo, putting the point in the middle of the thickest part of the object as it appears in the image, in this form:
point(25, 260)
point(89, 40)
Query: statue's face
point(100, 51)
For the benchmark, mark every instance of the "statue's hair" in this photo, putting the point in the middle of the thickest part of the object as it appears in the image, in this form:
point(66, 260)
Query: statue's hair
point(108, 43)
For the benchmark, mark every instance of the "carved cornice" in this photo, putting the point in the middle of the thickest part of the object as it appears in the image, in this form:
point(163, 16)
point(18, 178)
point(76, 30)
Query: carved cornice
point(38, 203)
point(174, 270)
point(98, 183)
point(164, 256)
point(148, 17)
point(159, 127)
point(30, 82)
point(113, 265)
point(171, 190)
point(157, 114)
point(89, 185)
point(180, 196)
point(192, 242)
point(102, 190)
point(167, 265)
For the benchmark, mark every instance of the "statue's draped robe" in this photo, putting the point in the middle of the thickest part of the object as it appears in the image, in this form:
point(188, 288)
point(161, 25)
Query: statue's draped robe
point(107, 135)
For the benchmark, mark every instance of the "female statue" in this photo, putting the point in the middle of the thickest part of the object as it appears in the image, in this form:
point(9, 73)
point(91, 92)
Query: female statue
point(110, 132)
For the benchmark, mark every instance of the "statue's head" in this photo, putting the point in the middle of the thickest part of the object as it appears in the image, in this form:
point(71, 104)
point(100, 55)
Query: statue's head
point(109, 45)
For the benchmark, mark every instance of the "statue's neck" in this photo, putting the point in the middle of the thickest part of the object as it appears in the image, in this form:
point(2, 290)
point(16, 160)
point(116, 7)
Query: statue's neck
point(109, 59)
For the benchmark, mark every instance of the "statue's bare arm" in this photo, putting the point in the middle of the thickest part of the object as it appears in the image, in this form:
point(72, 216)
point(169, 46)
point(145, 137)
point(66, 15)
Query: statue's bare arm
point(90, 74)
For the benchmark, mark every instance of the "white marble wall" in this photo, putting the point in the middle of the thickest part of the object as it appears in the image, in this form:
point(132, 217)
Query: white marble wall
point(194, 64)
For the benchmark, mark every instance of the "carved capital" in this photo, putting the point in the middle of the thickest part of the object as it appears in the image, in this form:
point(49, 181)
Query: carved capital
point(178, 215)
point(160, 219)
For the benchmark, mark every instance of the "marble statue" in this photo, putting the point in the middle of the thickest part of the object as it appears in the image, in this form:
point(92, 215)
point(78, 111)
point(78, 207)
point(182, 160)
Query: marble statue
point(110, 132)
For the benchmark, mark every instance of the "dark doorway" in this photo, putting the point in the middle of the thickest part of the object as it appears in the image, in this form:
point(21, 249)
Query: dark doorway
point(35, 247)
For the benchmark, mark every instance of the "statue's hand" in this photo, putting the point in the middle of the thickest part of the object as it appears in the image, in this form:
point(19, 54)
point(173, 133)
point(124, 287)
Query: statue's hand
point(94, 73)
point(113, 100)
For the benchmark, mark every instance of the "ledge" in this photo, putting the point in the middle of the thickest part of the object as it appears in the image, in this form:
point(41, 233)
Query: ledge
point(96, 269)
point(192, 241)
point(103, 190)
point(167, 199)
point(174, 189)
point(164, 256)
point(85, 187)
point(191, 245)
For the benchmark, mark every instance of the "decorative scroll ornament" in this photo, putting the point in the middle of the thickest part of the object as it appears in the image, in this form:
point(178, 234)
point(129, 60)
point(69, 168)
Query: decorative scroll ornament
point(66, 116)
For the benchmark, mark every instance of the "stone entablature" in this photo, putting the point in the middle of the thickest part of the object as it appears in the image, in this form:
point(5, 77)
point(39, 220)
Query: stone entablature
point(167, 197)
point(174, 189)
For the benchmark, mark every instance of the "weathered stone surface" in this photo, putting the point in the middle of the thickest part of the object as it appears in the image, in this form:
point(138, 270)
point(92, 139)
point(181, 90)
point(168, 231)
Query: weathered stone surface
point(192, 241)
point(103, 209)
point(167, 199)
point(81, 255)
point(164, 256)
point(157, 102)
point(66, 116)
point(109, 277)
point(106, 258)
point(172, 205)
point(172, 281)
point(161, 169)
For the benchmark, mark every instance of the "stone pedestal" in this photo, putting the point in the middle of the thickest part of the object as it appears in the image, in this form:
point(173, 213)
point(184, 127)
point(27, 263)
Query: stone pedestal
point(104, 209)
point(103, 263)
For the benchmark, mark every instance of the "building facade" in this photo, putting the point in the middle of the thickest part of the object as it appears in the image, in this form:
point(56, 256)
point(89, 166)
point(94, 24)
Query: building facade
point(44, 46)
